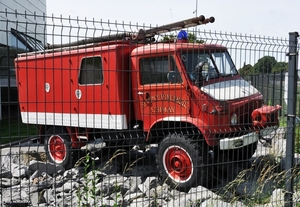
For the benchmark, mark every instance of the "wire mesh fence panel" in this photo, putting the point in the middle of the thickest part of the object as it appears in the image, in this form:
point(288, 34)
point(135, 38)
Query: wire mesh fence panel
point(100, 113)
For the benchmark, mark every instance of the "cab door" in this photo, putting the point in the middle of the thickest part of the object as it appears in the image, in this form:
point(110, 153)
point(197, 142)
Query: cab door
point(161, 90)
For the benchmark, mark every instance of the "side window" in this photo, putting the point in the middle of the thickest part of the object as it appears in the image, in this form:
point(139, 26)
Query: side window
point(91, 71)
point(156, 69)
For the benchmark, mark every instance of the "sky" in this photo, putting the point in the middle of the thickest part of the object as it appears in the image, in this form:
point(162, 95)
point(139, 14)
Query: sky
point(266, 18)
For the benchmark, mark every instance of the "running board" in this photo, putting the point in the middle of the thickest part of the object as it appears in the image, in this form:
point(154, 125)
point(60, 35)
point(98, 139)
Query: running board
point(82, 137)
point(94, 146)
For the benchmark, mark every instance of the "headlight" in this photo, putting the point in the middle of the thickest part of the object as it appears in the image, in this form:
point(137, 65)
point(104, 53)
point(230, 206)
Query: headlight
point(233, 119)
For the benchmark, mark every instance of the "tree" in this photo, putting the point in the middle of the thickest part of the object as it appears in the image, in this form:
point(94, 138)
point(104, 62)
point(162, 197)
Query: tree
point(246, 70)
point(265, 64)
point(280, 66)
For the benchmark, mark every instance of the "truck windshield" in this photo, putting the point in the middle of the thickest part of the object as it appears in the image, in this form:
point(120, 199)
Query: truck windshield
point(216, 64)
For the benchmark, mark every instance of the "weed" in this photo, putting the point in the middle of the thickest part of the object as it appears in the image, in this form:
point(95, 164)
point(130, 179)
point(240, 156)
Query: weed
point(117, 153)
point(89, 186)
point(268, 177)
point(128, 168)
point(117, 191)
point(297, 138)
point(283, 124)
point(88, 192)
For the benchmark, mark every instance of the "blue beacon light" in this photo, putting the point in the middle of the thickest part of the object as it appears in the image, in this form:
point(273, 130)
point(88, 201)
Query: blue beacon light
point(182, 35)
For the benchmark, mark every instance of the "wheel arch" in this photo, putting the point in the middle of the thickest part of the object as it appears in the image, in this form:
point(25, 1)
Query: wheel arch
point(71, 131)
point(168, 125)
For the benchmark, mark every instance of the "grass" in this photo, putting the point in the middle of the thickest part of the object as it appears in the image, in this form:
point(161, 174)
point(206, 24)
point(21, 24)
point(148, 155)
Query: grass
point(87, 192)
point(297, 139)
point(12, 129)
point(259, 193)
point(269, 176)
point(283, 123)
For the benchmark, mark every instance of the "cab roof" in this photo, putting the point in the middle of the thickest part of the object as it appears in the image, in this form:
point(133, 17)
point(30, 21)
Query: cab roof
point(172, 47)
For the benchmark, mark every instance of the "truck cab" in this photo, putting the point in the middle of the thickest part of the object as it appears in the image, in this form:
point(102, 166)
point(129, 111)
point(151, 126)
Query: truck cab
point(196, 86)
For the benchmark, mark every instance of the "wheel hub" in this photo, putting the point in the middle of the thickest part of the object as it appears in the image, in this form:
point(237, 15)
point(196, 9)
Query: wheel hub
point(178, 164)
point(57, 148)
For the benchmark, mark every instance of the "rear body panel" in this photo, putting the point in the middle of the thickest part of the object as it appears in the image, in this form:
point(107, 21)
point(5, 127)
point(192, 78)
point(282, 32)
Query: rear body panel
point(50, 92)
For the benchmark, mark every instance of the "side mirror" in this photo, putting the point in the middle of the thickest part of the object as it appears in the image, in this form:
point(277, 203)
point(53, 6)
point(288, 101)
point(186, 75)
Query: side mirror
point(199, 69)
point(200, 66)
point(174, 77)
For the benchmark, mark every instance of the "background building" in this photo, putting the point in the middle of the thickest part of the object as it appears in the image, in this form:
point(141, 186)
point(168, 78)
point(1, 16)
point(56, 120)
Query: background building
point(22, 29)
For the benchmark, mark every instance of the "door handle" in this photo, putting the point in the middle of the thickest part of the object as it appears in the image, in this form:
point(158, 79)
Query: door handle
point(145, 95)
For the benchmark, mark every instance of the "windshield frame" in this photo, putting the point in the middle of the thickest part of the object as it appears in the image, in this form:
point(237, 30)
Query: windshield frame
point(217, 64)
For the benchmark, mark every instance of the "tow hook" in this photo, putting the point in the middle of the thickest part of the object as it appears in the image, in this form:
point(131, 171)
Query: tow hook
point(265, 136)
point(266, 142)
point(211, 155)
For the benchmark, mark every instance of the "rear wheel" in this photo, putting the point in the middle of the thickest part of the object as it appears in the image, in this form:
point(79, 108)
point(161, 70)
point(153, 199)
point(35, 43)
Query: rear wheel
point(180, 162)
point(58, 147)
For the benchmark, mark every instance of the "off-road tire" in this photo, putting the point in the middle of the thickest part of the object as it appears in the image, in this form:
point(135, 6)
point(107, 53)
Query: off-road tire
point(181, 162)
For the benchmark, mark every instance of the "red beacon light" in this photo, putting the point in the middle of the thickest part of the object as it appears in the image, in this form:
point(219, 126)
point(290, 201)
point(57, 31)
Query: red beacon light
point(182, 37)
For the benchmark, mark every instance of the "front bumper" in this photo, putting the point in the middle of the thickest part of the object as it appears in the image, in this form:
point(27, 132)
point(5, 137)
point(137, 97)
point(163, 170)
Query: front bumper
point(244, 140)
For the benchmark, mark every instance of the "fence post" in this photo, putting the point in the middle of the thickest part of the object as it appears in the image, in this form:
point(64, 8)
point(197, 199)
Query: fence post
point(281, 89)
point(291, 117)
point(274, 88)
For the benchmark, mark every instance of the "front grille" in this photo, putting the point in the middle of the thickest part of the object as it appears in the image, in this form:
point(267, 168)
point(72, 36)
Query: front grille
point(244, 113)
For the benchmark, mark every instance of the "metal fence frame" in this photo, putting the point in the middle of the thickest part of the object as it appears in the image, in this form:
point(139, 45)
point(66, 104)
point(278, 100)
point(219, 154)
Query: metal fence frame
point(243, 49)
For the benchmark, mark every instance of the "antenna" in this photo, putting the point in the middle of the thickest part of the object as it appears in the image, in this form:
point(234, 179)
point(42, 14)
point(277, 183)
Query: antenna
point(171, 15)
point(196, 10)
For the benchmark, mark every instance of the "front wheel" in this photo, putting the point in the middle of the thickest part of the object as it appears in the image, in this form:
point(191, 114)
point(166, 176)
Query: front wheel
point(180, 162)
point(58, 147)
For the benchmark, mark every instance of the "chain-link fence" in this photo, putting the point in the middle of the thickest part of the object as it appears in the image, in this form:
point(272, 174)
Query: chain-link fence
point(99, 113)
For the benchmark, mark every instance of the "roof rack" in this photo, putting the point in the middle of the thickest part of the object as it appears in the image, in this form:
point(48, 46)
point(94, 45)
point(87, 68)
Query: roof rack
point(57, 49)
point(142, 35)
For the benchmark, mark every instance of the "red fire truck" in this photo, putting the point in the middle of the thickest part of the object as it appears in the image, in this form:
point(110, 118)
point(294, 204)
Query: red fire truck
point(129, 89)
